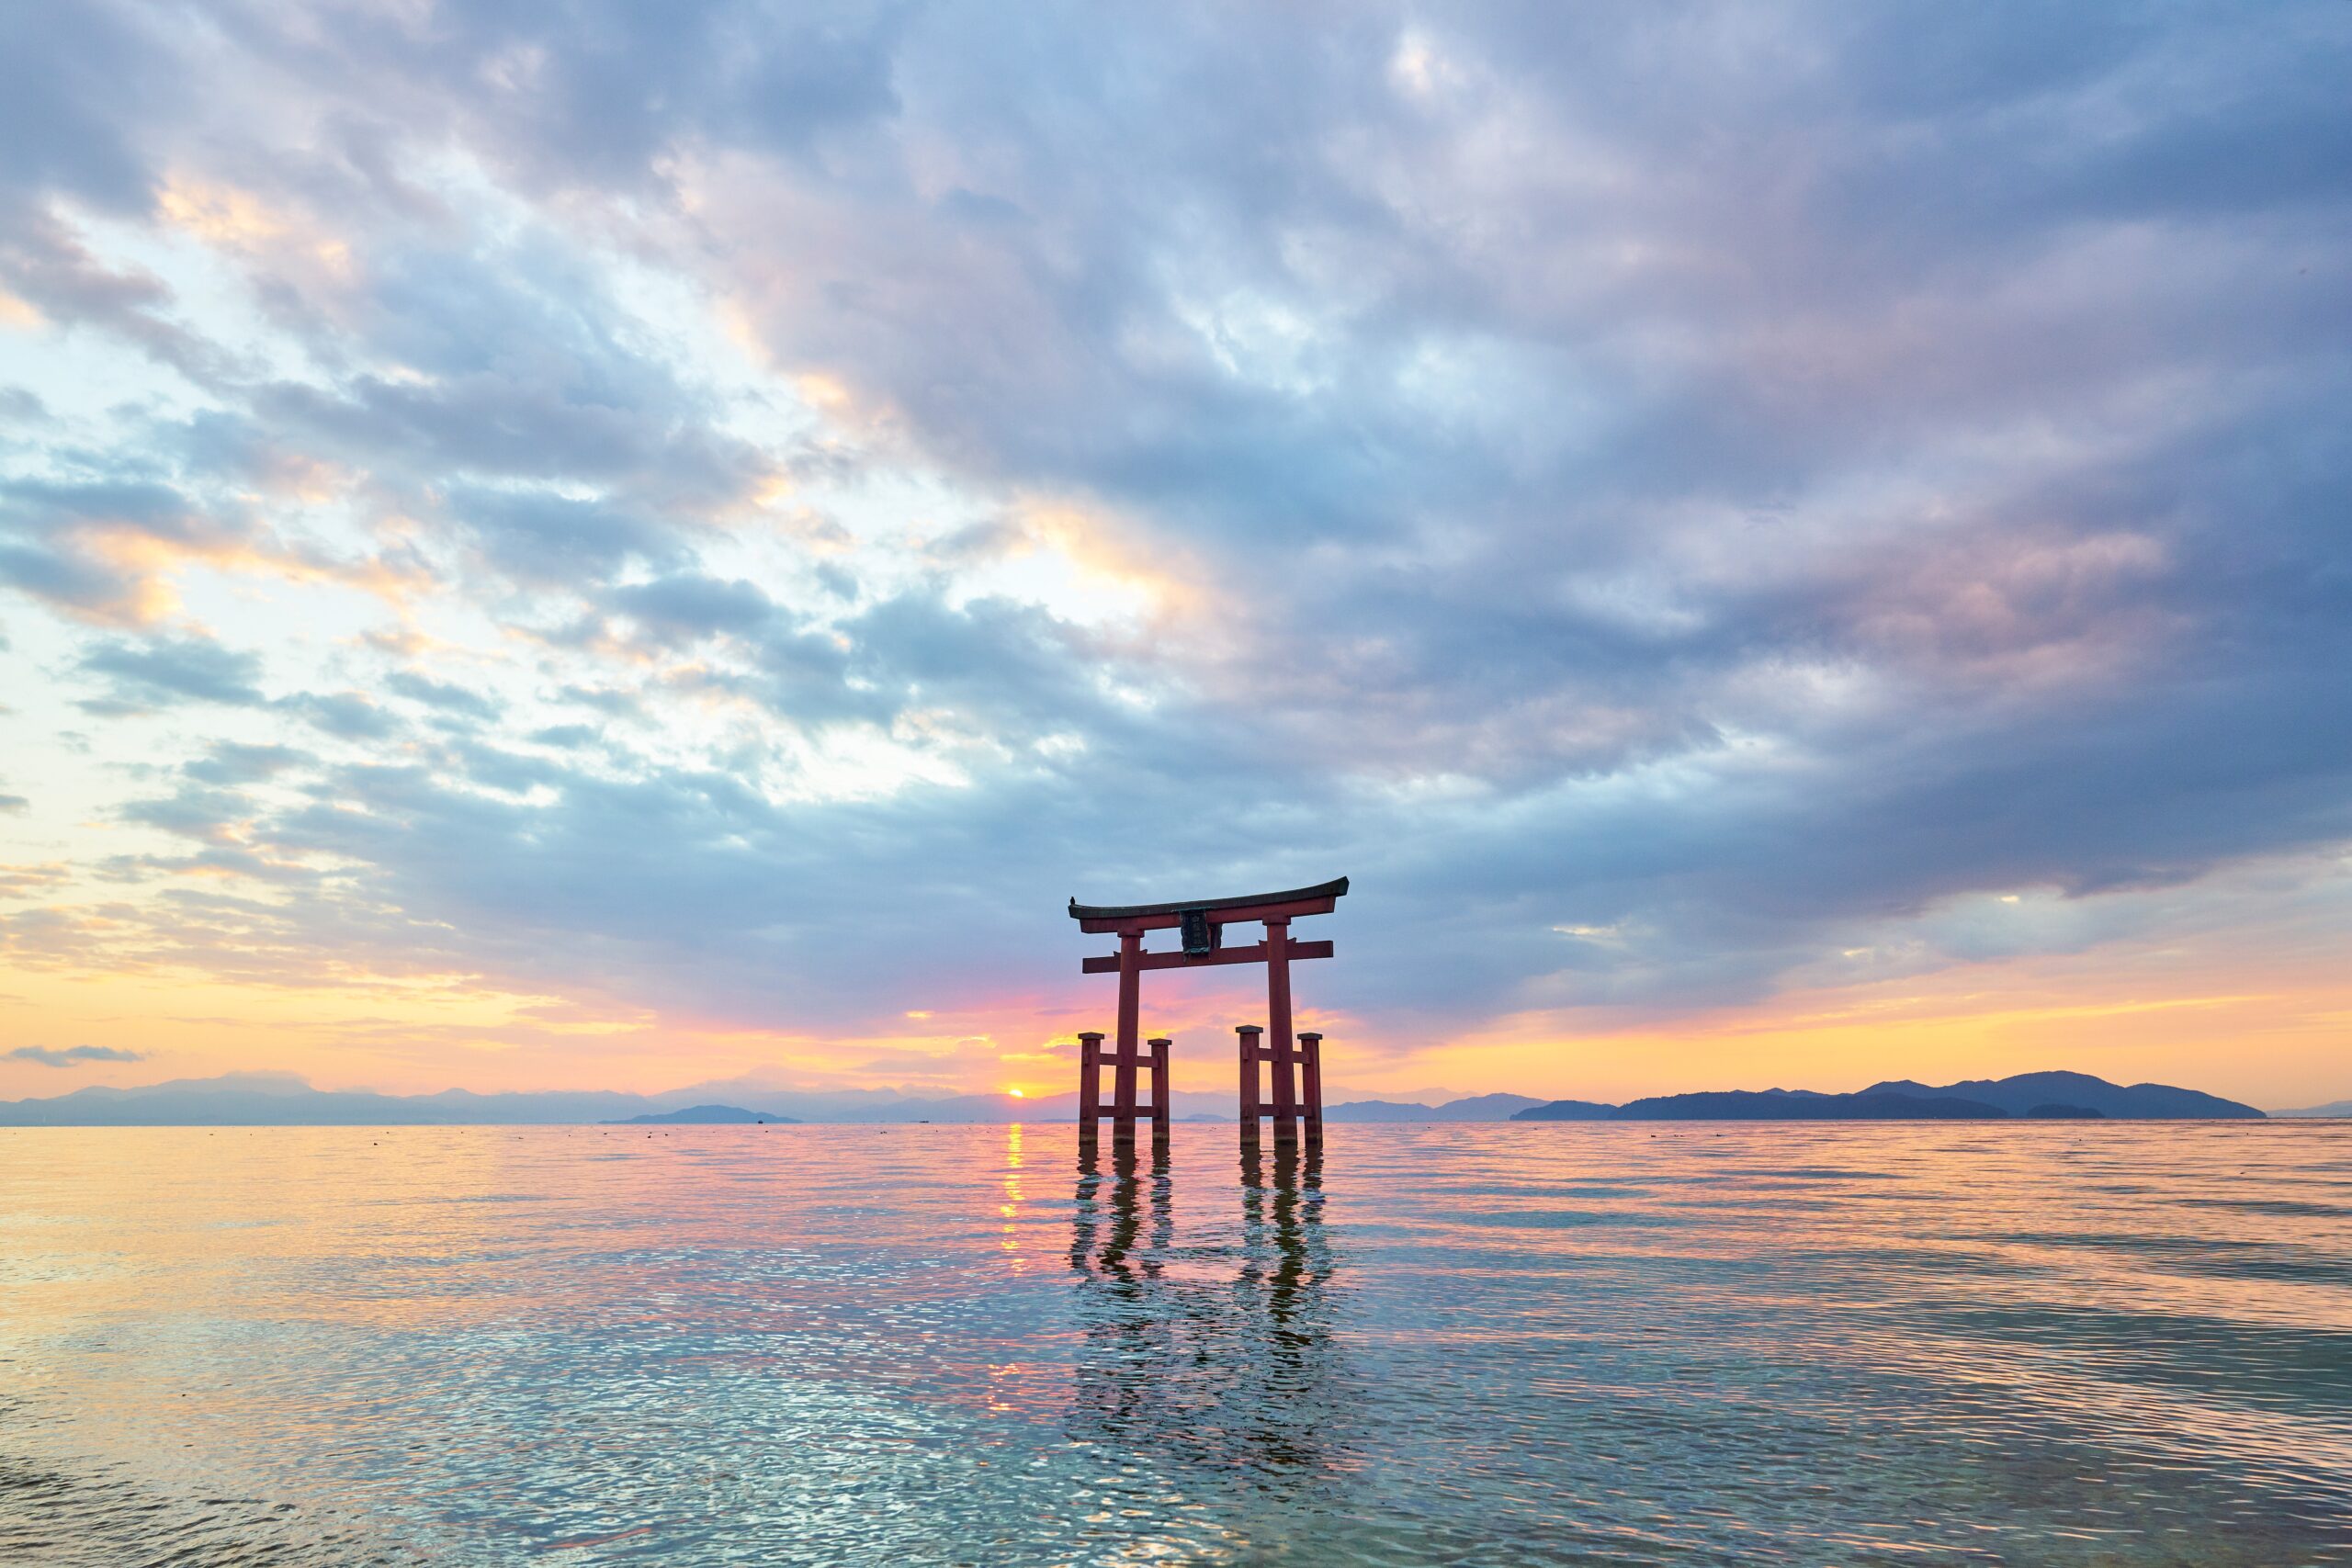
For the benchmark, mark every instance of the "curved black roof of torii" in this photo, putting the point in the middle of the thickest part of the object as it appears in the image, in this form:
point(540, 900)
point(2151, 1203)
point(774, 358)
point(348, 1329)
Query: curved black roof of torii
point(1331, 890)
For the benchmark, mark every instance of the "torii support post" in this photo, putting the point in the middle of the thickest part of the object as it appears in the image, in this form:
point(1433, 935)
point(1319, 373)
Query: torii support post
point(1126, 1108)
point(1202, 924)
point(1123, 1116)
point(1160, 1092)
point(1249, 1033)
point(1306, 1111)
point(1090, 1084)
point(1280, 1050)
point(1310, 1072)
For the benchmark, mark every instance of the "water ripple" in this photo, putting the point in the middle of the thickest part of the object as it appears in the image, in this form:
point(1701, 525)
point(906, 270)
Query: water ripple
point(1696, 1345)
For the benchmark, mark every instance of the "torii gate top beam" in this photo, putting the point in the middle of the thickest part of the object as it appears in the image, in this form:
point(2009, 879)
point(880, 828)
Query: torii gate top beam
point(1319, 900)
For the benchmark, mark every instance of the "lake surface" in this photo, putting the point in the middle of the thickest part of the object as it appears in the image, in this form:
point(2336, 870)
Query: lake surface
point(1690, 1343)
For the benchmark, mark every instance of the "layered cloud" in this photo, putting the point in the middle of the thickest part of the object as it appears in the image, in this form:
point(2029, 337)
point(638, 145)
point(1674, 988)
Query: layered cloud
point(72, 1055)
point(724, 515)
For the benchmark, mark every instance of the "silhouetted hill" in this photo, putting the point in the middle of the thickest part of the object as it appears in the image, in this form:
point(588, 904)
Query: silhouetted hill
point(703, 1115)
point(2056, 1094)
point(1378, 1111)
point(1565, 1111)
point(1486, 1108)
point(1799, 1105)
point(280, 1100)
point(2020, 1094)
point(1477, 1107)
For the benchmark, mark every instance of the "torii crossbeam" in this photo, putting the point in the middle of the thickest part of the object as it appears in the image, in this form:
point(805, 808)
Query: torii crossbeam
point(1202, 923)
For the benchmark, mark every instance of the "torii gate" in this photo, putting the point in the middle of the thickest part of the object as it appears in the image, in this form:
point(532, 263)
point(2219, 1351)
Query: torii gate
point(1202, 923)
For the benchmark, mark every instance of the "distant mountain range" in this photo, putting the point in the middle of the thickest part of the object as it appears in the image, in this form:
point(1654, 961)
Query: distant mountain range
point(1799, 1105)
point(2340, 1108)
point(2065, 1095)
point(1478, 1107)
point(261, 1099)
point(268, 1100)
point(704, 1116)
point(1566, 1110)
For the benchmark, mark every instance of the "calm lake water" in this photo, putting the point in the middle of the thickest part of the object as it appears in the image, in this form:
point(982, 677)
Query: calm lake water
point(1686, 1344)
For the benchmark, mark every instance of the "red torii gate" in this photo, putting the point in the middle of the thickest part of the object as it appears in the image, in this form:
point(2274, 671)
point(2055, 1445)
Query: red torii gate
point(1202, 923)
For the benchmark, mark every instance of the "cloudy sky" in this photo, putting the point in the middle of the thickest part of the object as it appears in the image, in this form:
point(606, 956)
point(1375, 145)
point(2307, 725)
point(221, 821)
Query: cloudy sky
point(550, 545)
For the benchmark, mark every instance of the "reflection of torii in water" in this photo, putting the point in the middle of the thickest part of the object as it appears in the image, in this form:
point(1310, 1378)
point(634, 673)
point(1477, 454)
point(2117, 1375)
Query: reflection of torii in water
point(1178, 1361)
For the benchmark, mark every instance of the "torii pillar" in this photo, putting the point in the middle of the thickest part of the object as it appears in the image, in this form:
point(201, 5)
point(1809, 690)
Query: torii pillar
point(1297, 1062)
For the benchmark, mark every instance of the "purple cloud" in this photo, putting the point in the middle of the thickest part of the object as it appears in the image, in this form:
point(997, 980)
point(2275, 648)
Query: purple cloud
point(73, 1056)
